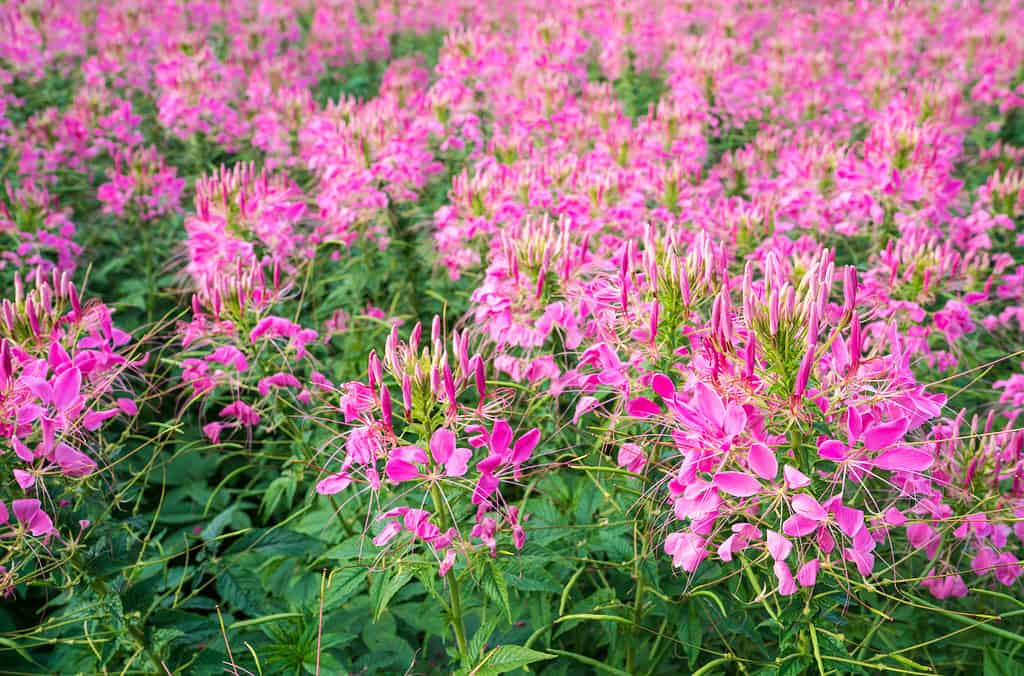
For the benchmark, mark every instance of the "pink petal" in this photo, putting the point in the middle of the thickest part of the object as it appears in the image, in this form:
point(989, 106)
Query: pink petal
point(333, 484)
point(787, 587)
point(66, 388)
point(458, 462)
point(485, 487)
point(738, 484)
point(446, 563)
point(399, 470)
point(798, 526)
point(72, 462)
point(854, 426)
point(642, 407)
point(128, 406)
point(709, 403)
point(725, 549)
point(833, 450)
point(29, 513)
point(865, 561)
point(904, 460)
point(29, 413)
point(687, 550)
point(663, 385)
point(850, 520)
point(411, 454)
point(735, 420)
point(808, 507)
point(778, 546)
point(442, 443)
point(762, 461)
point(807, 576)
point(25, 479)
point(584, 405)
point(795, 479)
point(894, 517)
point(501, 437)
point(94, 419)
point(40, 387)
point(878, 437)
point(392, 529)
point(22, 451)
point(25, 509)
point(631, 457)
point(489, 464)
point(524, 446)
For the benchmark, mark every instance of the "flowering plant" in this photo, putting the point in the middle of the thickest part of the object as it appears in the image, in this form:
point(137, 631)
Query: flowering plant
point(639, 337)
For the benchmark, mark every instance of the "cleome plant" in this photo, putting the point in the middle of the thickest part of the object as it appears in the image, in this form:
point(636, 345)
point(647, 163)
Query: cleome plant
point(635, 337)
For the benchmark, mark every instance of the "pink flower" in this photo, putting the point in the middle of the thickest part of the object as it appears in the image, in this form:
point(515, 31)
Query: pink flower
point(72, 462)
point(402, 465)
point(442, 448)
point(631, 457)
point(30, 514)
point(502, 453)
point(686, 549)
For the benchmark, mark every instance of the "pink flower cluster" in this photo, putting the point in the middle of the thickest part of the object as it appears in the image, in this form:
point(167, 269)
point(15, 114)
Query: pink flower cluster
point(64, 373)
point(432, 434)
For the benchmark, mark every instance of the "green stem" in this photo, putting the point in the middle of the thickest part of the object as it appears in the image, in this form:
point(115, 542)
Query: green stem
point(638, 596)
point(458, 626)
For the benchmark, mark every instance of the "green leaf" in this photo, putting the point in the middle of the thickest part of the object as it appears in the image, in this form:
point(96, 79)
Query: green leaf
point(383, 590)
point(494, 585)
point(691, 634)
point(506, 658)
point(243, 592)
point(343, 584)
point(275, 542)
point(795, 667)
point(481, 636)
point(998, 664)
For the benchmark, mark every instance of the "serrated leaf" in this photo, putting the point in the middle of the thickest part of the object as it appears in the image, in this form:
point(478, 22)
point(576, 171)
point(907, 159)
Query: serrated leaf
point(478, 643)
point(506, 658)
point(494, 585)
point(242, 592)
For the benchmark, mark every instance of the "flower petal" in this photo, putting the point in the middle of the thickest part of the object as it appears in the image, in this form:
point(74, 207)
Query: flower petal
point(808, 507)
point(762, 460)
point(878, 437)
point(738, 484)
point(904, 460)
point(66, 388)
point(442, 444)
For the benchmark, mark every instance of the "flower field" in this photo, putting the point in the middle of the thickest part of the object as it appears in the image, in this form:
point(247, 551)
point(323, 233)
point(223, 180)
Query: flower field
point(449, 336)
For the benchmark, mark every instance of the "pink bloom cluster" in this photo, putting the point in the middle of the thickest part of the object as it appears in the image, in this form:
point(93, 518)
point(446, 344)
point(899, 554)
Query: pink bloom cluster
point(439, 432)
point(64, 373)
point(751, 281)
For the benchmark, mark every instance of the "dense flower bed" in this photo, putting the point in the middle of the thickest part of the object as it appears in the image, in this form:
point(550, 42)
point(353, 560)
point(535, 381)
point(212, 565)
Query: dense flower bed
point(643, 336)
